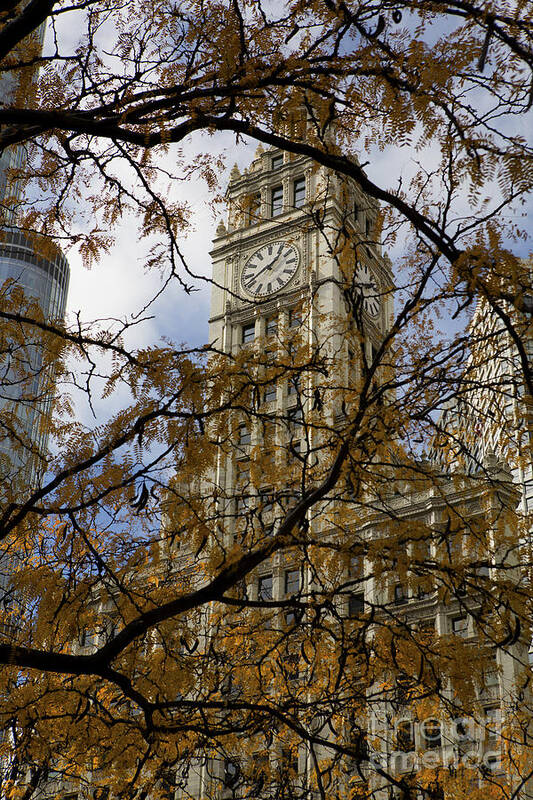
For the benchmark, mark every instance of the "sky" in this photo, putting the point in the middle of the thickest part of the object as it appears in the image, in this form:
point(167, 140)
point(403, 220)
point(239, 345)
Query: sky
point(118, 285)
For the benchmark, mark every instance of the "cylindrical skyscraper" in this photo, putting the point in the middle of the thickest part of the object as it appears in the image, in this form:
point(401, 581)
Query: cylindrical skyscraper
point(41, 273)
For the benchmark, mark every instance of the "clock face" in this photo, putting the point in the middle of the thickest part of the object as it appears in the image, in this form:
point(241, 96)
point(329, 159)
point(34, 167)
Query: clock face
point(367, 286)
point(270, 268)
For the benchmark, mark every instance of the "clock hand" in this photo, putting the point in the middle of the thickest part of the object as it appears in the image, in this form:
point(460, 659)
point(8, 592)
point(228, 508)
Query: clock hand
point(257, 274)
point(268, 266)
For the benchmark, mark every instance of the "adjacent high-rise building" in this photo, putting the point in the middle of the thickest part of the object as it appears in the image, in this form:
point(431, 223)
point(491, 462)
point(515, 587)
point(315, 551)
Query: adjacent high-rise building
point(492, 412)
point(34, 278)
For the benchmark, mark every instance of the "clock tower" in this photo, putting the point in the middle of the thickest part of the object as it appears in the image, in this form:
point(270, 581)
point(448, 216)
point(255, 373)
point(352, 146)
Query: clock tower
point(297, 269)
point(281, 244)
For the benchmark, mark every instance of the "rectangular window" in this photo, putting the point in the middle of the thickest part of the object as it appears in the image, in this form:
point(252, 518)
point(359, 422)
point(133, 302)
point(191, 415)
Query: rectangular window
point(264, 588)
point(460, 626)
point(271, 326)
point(292, 581)
point(112, 627)
point(299, 192)
point(253, 211)
point(295, 318)
point(490, 676)
point(405, 736)
point(356, 604)
point(248, 333)
point(277, 161)
point(421, 550)
point(292, 387)
point(483, 570)
point(290, 619)
point(291, 664)
point(277, 201)
point(430, 730)
point(242, 504)
point(269, 394)
point(289, 764)
point(356, 566)
point(295, 416)
point(243, 471)
point(244, 435)
point(493, 723)
point(231, 773)
point(260, 767)
point(400, 594)
point(454, 546)
point(427, 627)
point(424, 590)
point(266, 501)
point(296, 448)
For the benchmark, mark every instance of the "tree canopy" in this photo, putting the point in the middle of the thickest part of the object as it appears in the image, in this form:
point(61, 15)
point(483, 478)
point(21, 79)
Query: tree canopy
point(142, 648)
